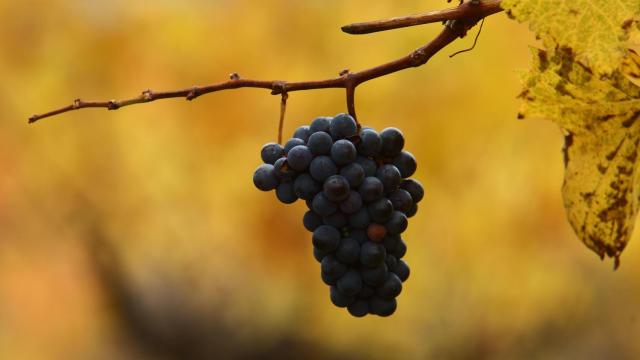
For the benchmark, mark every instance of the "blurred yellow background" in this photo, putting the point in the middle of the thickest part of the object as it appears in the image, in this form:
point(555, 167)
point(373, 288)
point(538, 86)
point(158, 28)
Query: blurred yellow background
point(139, 234)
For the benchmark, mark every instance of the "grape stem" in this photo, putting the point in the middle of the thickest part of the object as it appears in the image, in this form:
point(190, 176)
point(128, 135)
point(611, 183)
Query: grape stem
point(463, 17)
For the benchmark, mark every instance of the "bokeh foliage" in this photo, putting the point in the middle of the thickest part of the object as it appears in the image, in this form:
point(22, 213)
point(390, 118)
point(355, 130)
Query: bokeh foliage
point(135, 233)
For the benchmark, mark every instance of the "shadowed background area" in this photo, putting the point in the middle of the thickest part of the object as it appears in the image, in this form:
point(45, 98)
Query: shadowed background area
point(139, 234)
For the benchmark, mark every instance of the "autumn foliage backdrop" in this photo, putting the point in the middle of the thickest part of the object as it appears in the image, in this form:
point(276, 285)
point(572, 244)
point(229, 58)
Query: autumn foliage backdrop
point(135, 233)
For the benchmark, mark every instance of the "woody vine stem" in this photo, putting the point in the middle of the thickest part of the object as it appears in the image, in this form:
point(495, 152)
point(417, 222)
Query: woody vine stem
point(458, 21)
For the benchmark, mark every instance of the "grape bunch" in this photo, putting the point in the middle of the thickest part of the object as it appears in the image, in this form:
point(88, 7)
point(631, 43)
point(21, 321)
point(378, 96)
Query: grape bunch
point(356, 187)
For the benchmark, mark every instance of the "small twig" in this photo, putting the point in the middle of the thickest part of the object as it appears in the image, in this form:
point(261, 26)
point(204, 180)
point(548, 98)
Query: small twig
point(463, 12)
point(467, 16)
point(283, 110)
point(475, 41)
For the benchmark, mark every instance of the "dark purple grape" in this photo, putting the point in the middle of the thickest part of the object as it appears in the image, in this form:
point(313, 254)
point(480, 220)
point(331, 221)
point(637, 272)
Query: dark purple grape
point(320, 143)
point(352, 204)
point(370, 143)
point(271, 152)
point(368, 165)
point(264, 178)
point(302, 133)
point(414, 188)
point(380, 211)
point(374, 276)
point(382, 307)
point(372, 254)
point(291, 143)
point(351, 283)
point(361, 219)
point(322, 167)
point(349, 251)
point(331, 266)
point(397, 224)
point(390, 177)
point(401, 249)
point(326, 238)
point(338, 299)
point(311, 220)
point(406, 163)
point(392, 142)
point(285, 193)
point(391, 287)
point(323, 206)
point(359, 308)
point(343, 126)
point(336, 188)
point(305, 187)
point(320, 124)
point(283, 170)
point(401, 200)
point(299, 158)
point(343, 152)
point(402, 270)
point(337, 220)
point(371, 189)
point(354, 173)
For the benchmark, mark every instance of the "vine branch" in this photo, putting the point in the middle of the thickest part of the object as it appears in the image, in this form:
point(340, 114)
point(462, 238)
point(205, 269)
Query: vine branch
point(462, 19)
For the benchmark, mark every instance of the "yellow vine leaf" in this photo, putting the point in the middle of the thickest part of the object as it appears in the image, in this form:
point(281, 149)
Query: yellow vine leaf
point(598, 31)
point(600, 117)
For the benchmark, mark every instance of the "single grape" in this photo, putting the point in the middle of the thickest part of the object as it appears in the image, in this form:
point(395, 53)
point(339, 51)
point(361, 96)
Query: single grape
point(354, 173)
point(359, 308)
point(343, 152)
point(374, 276)
point(368, 165)
point(343, 126)
point(349, 251)
point(376, 232)
point(271, 152)
point(401, 200)
point(371, 189)
point(291, 143)
point(320, 124)
point(382, 307)
point(372, 254)
point(320, 143)
point(338, 299)
point(370, 142)
point(397, 224)
point(351, 283)
point(336, 188)
point(352, 204)
point(401, 249)
point(381, 210)
point(391, 261)
point(285, 193)
point(319, 254)
point(390, 177)
point(326, 238)
point(322, 167)
point(406, 163)
point(305, 187)
point(391, 287)
point(302, 133)
point(392, 142)
point(413, 187)
point(402, 270)
point(390, 242)
point(311, 220)
point(264, 178)
point(412, 211)
point(361, 219)
point(330, 280)
point(331, 266)
point(323, 206)
point(299, 158)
